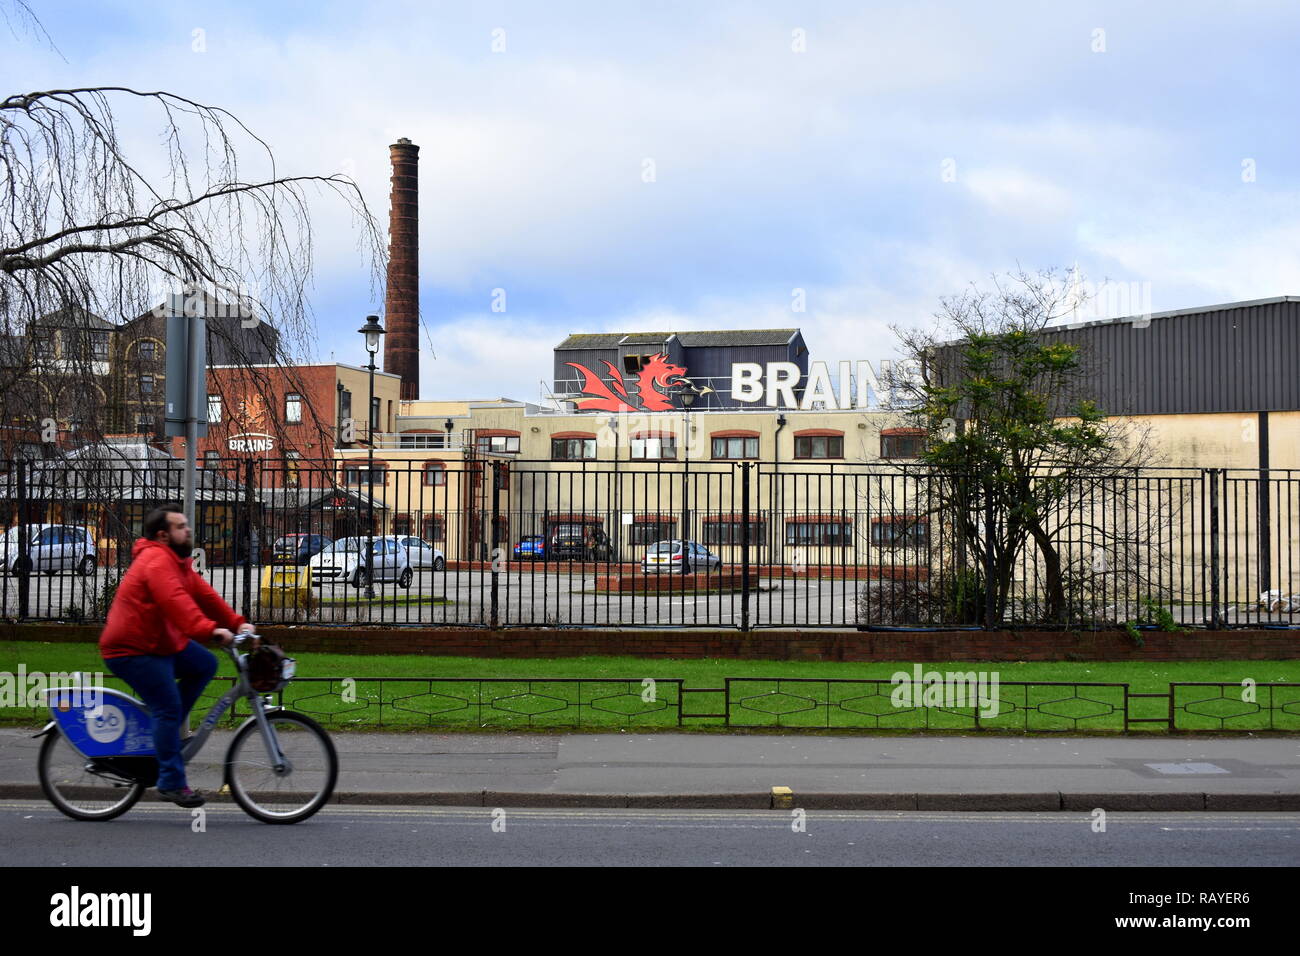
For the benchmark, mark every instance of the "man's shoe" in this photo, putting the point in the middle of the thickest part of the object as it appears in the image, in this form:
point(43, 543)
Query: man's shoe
point(182, 798)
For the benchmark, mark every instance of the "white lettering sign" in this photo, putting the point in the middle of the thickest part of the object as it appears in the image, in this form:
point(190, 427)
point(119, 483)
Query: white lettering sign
point(775, 384)
point(251, 442)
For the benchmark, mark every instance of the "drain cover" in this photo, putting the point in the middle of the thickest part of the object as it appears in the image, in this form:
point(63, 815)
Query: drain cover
point(1187, 768)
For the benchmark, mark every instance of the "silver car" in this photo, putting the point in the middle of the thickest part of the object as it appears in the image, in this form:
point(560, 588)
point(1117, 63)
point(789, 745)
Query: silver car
point(50, 548)
point(421, 553)
point(344, 562)
point(679, 557)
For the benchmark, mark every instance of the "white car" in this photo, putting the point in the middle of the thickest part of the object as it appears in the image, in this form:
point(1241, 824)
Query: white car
point(345, 562)
point(421, 553)
point(50, 548)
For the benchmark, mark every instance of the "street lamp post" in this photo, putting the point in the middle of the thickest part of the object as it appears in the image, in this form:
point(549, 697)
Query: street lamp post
point(372, 330)
point(616, 535)
point(688, 399)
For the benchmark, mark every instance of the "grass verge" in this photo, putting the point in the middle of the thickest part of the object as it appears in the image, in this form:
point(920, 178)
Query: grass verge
point(523, 694)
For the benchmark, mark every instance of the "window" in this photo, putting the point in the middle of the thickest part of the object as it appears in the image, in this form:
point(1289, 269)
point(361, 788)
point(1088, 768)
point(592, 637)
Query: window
point(291, 475)
point(572, 449)
point(819, 446)
point(99, 346)
point(818, 532)
point(632, 364)
point(374, 414)
point(293, 407)
point(435, 474)
point(434, 528)
point(648, 532)
point(212, 459)
point(732, 531)
point(144, 423)
point(146, 384)
point(902, 443)
point(214, 409)
point(499, 443)
point(501, 475)
point(402, 526)
point(43, 346)
point(345, 406)
point(896, 531)
point(735, 447)
point(422, 441)
point(147, 350)
point(359, 475)
point(657, 448)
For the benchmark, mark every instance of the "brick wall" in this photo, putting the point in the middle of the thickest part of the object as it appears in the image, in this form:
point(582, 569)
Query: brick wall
point(759, 645)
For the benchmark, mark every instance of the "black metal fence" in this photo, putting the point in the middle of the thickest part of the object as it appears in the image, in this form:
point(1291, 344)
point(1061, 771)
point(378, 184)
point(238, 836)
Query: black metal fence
point(949, 702)
point(499, 542)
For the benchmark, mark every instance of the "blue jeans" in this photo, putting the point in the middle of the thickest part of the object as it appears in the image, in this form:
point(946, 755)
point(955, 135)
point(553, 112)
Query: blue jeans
point(169, 685)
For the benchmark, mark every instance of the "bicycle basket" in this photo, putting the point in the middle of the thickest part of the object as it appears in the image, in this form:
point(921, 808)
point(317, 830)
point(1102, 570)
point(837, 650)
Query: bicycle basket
point(269, 669)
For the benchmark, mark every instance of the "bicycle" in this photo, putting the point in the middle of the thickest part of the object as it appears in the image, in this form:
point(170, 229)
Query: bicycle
point(97, 758)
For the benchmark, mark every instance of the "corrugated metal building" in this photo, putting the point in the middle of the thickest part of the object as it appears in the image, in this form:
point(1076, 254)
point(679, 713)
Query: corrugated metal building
point(1237, 357)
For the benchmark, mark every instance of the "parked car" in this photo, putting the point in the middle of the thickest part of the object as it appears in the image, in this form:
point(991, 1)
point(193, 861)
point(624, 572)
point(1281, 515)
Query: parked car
point(583, 541)
point(532, 546)
point(51, 548)
point(683, 557)
point(421, 553)
point(298, 548)
point(567, 540)
point(345, 561)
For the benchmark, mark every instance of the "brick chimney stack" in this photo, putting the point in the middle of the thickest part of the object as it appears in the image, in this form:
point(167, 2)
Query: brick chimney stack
point(402, 298)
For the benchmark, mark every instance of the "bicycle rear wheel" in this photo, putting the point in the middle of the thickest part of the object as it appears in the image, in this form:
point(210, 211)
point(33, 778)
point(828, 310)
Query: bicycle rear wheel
point(282, 797)
point(75, 790)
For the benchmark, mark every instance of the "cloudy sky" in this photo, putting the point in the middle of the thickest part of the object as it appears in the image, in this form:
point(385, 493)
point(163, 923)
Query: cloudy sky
point(628, 166)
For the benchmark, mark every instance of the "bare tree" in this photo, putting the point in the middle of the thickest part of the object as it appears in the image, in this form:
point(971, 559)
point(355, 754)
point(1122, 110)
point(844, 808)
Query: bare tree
point(89, 231)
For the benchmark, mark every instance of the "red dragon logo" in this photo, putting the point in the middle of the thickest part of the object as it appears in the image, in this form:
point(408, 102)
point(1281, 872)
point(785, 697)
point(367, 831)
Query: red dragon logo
point(654, 379)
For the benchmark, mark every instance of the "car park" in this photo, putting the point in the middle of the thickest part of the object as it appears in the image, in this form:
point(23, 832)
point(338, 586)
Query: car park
point(679, 557)
point(51, 548)
point(345, 562)
point(298, 548)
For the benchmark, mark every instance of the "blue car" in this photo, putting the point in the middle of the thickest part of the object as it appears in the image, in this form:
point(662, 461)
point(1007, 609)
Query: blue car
point(531, 546)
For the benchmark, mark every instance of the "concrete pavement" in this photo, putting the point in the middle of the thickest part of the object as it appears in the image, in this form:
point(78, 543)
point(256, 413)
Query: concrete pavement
point(738, 771)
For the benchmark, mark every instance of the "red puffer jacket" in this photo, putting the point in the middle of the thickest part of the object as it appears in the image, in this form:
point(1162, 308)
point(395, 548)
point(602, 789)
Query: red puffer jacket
point(162, 604)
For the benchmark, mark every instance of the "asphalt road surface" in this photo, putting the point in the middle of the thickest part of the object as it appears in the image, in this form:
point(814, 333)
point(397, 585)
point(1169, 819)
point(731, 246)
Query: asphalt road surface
point(156, 834)
point(532, 595)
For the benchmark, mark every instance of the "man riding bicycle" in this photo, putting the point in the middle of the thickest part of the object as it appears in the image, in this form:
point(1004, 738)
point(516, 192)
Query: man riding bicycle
point(161, 610)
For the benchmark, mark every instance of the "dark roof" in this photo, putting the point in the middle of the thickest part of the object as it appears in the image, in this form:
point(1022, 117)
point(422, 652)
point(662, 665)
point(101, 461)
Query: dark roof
point(73, 315)
point(1234, 357)
point(294, 499)
point(739, 337)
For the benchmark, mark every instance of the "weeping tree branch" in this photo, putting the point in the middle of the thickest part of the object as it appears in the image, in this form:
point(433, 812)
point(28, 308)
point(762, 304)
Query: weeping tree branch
point(91, 224)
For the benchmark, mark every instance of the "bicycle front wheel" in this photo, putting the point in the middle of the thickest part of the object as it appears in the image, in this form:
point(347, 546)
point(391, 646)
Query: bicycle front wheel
point(76, 790)
point(299, 791)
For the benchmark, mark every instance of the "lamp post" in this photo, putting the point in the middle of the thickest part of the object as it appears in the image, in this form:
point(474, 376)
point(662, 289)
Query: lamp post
point(617, 536)
point(688, 399)
point(372, 330)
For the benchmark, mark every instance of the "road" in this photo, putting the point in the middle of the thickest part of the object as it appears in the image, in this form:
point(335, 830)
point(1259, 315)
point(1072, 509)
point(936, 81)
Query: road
point(156, 834)
point(536, 596)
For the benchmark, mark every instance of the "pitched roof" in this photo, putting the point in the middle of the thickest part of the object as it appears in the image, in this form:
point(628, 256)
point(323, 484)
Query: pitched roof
point(609, 340)
point(73, 315)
